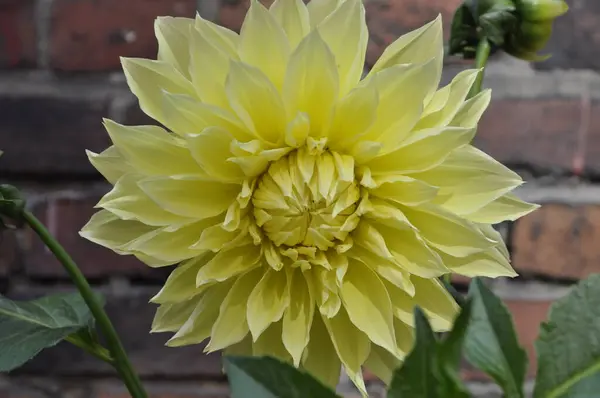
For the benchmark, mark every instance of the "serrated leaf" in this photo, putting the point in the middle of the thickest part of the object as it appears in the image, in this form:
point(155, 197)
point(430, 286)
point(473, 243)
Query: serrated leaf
point(419, 375)
point(450, 354)
point(265, 377)
point(568, 346)
point(26, 328)
point(491, 344)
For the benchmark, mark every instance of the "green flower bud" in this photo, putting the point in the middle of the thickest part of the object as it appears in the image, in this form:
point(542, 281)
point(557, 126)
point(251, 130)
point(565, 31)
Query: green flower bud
point(541, 10)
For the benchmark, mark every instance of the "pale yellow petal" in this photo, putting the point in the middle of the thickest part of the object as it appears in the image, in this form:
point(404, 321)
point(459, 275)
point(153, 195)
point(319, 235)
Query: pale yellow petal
point(382, 364)
point(224, 39)
point(108, 230)
point(293, 17)
point(231, 326)
point(506, 208)
point(269, 344)
point(198, 326)
point(243, 348)
point(420, 45)
point(405, 190)
point(368, 305)
point(264, 44)
point(491, 264)
point(318, 10)
point(435, 300)
point(152, 150)
point(267, 302)
point(227, 264)
point(320, 358)
point(190, 196)
point(211, 150)
point(173, 35)
point(470, 112)
point(180, 286)
point(110, 163)
point(311, 83)
point(346, 34)
point(147, 79)
point(298, 317)
point(256, 102)
point(170, 317)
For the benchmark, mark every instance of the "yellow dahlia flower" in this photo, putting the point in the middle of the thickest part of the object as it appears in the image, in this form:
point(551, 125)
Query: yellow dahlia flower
point(308, 210)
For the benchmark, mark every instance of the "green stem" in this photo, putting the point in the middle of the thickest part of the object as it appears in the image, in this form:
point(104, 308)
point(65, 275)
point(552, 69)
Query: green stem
point(98, 351)
point(121, 361)
point(481, 59)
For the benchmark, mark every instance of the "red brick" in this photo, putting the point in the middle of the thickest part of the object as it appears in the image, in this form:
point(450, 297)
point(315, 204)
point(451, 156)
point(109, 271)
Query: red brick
point(64, 218)
point(558, 241)
point(91, 35)
point(17, 33)
point(539, 133)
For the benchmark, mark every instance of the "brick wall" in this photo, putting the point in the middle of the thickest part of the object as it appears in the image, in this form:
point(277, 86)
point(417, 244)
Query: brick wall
point(59, 76)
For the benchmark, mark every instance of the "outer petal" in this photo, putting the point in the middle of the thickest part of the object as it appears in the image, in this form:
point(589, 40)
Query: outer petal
point(267, 302)
point(318, 10)
point(171, 317)
point(108, 230)
point(405, 190)
point(224, 39)
point(507, 207)
point(173, 35)
point(382, 364)
point(311, 83)
point(110, 163)
point(269, 343)
point(227, 264)
point(435, 301)
point(147, 79)
point(346, 34)
point(491, 264)
point(211, 149)
point(320, 358)
point(264, 44)
point(470, 112)
point(292, 16)
point(298, 317)
point(181, 284)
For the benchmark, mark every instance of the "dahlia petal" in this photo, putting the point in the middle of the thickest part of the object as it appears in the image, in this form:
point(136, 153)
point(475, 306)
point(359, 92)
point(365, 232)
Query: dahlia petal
point(490, 264)
point(173, 35)
point(435, 300)
point(209, 66)
point(491, 233)
point(382, 364)
point(452, 98)
point(447, 232)
point(228, 264)
point(297, 318)
point(313, 64)
point(470, 112)
point(129, 202)
point(320, 358)
point(267, 302)
point(110, 163)
point(211, 149)
point(297, 130)
point(386, 214)
point(410, 252)
point(293, 18)
point(420, 45)
point(181, 283)
point(147, 79)
point(355, 113)
point(405, 336)
point(224, 39)
point(148, 260)
point(170, 317)
point(264, 44)
point(270, 344)
point(346, 34)
point(423, 150)
point(215, 238)
point(243, 348)
point(187, 115)
point(506, 207)
point(323, 282)
point(197, 328)
point(108, 230)
point(368, 305)
point(318, 10)
point(405, 190)
point(190, 196)
point(256, 102)
point(351, 345)
point(231, 326)
point(142, 146)
point(400, 87)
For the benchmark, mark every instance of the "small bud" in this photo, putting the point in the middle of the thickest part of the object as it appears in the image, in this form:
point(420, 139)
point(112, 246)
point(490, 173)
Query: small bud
point(541, 10)
point(12, 203)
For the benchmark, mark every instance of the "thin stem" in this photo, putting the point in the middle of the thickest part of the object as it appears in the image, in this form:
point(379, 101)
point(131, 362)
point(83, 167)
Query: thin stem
point(98, 351)
point(481, 59)
point(121, 361)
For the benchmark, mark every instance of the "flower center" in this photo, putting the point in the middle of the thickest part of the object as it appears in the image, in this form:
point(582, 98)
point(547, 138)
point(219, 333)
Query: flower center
point(308, 198)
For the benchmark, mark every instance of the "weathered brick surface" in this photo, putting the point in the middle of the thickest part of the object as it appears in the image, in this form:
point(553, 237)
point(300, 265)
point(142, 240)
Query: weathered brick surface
point(64, 218)
point(49, 135)
point(168, 390)
point(17, 33)
point(91, 35)
point(558, 241)
point(575, 42)
point(8, 252)
point(132, 316)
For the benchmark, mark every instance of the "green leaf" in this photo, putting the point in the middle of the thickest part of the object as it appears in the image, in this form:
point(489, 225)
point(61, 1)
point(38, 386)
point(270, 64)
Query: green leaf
point(491, 343)
point(265, 377)
point(26, 328)
point(568, 346)
point(450, 354)
point(419, 375)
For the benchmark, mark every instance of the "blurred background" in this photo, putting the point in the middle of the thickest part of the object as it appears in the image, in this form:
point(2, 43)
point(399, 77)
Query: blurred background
point(60, 75)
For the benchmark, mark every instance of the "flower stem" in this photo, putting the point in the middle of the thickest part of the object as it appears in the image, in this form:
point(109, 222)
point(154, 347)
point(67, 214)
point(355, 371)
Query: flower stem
point(121, 361)
point(481, 59)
